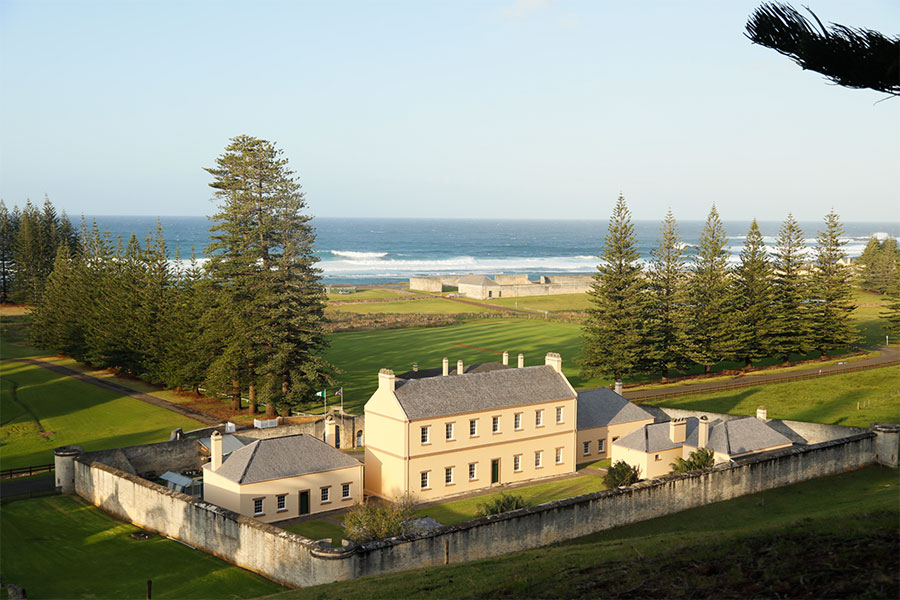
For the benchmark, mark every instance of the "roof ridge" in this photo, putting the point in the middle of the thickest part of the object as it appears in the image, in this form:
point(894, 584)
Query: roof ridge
point(727, 438)
point(256, 446)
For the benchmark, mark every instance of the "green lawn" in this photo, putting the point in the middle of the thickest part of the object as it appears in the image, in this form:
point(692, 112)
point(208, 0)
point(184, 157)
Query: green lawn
point(42, 410)
point(62, 547)
point(367, 294)
point(779, 542)
point(553, 303)
point(318, 530)
point(459, 511)
point(14, 336)
point(830, 399)
point(867, 317)
point(430, 306)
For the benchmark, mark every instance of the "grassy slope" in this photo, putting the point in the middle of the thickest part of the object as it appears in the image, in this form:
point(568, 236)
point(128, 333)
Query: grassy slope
point(61, 547)
point(552, 303)
point(694, 553)
point(367, 294)
point(431, 306)
point(830, 399)
point(71, 412)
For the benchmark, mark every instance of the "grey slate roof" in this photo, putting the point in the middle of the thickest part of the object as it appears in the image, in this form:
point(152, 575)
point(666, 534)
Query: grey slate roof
point(439, 372)
point(276, 458)
point(230, 443)
point(655, 437)
point(471, 279)
point(726, 437)
point(438, 396)
point(602, 406)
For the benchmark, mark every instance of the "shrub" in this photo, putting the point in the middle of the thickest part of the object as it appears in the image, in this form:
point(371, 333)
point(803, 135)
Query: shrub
point(701, 458)
point(621, 473)
point(372, 521)
point(500, 503)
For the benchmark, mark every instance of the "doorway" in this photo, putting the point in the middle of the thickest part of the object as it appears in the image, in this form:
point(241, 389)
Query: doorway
point(495, 470)
point(304, 502)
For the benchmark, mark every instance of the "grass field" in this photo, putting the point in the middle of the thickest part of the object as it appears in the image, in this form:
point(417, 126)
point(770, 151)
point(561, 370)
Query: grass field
point(831, 399)
point(552, 303)
point(318, 530)
point(62, 547)
point(431, 306)
point(867, 317)
point(42, 410)
point(779, 542)
point(368, 294)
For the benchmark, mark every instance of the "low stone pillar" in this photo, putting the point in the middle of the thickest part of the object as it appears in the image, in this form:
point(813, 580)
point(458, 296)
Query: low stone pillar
point(64, 465)
point(887, 444)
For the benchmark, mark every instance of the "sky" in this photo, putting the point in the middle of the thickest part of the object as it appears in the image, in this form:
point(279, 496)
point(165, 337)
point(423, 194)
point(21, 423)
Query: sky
point(459, 109)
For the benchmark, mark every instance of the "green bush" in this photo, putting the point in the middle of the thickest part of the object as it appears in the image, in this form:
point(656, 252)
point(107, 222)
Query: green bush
point(372, 521)
point(500, 503)
point(699, 459)
point(621, 473)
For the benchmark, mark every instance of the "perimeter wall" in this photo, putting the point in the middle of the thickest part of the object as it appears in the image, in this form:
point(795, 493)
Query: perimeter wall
point(295, 561)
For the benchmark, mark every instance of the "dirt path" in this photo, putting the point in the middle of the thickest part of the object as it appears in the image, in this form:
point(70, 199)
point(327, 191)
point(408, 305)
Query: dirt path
point(888, 357)
point(121, 389)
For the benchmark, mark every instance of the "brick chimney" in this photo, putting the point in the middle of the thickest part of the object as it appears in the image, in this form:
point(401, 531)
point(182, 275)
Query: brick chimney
point(554, 360)
point(703, 432)
point(676, 430)
point(386, 380)
point(459, 367)
point(521, 360)
point(215, 450)
point(505, 358)
point(761, 413)
point(446, 364)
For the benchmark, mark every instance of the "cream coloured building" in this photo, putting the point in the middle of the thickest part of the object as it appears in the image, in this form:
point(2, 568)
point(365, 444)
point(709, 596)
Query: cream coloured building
point(446, 434)
point(603, 417)
point(281, 478)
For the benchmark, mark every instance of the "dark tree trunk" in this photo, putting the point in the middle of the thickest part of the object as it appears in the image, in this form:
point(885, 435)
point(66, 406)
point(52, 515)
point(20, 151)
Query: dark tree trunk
point(235, 395)
point(252, 395)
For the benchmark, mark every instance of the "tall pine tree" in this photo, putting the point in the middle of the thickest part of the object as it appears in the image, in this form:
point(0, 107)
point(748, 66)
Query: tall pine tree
point(613, 329)
point(752, 297)
point(9, 232)
point(790, 328)
point(708, 332)
point(832, 300)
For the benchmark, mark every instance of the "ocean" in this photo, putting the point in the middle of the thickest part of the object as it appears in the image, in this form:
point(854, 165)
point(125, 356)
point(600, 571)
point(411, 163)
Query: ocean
point(366, 251)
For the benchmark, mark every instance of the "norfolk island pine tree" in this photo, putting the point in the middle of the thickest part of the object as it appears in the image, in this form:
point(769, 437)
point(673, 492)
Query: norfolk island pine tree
point(751, 300)
point(790, 329)
point(832, 292)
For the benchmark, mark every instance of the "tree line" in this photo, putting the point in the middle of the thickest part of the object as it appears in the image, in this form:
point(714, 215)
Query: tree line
point(686, 310)
point(248, 321)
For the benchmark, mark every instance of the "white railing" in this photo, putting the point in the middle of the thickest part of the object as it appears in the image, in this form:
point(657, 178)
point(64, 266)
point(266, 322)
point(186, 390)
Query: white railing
point(265, 423)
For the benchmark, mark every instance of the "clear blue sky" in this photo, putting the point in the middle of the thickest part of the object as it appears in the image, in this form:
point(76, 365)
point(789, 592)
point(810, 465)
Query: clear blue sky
point(429, 108)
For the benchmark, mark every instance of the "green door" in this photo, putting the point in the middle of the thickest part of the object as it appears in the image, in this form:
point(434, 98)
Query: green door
point(304, 502)
point(495, 470)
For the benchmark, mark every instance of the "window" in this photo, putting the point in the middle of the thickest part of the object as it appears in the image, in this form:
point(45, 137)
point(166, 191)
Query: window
point(538, 459)
point(326, 494)
point(423, 481)
point(559, 414)
point(517, 463)
point(656, 457)
point(600, 445)
point(559, 456)
point(425, 431)
point(539, 418)
point(257, 506)
point(473, 473)
point(517, 422)
point(281, 502)
point(473, 427)
point(448, 431)
point(448, 476)
point(345, 490)
point(587, 449)
point(495, 424)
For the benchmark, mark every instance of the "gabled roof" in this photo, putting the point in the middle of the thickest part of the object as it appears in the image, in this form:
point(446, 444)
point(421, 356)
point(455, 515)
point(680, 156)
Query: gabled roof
point(655, 437)
point(471, 392)
point(439, 371)
point(739, 436)
point(602, 406)
point(277, 458)
point(230, 443)
point(471, 279)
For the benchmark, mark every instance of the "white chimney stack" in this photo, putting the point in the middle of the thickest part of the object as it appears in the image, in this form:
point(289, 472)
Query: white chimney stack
point(415, 367)
point(761, 413)
point(521, 360)
point(459, 367)
point(215, 450)
point(703, 432)
point(676, 430)
point(554, 360)
point(446, 363)
point(386, 380)
point(505, 359)
point(619, 386)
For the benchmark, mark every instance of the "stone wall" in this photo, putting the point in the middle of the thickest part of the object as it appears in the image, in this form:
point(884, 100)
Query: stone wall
point(426, 284)
point(296, 561)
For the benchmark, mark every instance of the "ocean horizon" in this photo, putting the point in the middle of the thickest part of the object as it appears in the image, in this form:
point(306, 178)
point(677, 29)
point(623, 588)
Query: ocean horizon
point(361, 251)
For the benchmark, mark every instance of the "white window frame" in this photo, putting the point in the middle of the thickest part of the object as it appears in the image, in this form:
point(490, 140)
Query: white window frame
point(559, 415)
point(495, 424)
point(258, 506)
point(538, 459)
point(600, 446)
point(281, 502)
point(325, 494)
point(473, 471)
point(473, 427)
point(539, 417)
point(448, 475)
point(517, 421)
point(517, 463)
point(559, 459)
point(448, 432)
point(586, 448)
point(345, 491)
point(425, 480)
point(425, 434)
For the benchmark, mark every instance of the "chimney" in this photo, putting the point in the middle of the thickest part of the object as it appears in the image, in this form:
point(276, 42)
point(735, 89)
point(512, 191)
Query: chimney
point(446, 364)
point(703, 432)
point(505, 359)
point(521, 360)
point(459, 367)
point(761, 413)
point(215, 450)
point(386, 380)
point(676, 430)
point(415, 367)
point(619, 386)
point(554, 360)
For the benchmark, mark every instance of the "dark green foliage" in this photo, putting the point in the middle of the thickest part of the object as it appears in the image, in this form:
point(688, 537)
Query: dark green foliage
point(621, 473)
point(699, 459)
point(500, 503)
point(666, 302)
point(708, 331)
point(373, 521)
point(9, 231)
point(751, 300)
point(849, 56)
point(790, 329)
point(832, 293)
point(878, 269)
point(613, 329)
point(56, 323)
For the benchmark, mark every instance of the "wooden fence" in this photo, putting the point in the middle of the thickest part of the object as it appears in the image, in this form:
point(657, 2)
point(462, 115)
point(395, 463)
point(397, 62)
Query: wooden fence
point(23, 471)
